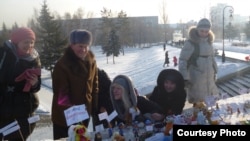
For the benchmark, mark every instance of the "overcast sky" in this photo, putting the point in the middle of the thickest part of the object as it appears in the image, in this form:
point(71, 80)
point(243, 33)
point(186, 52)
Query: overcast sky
point(18, 11)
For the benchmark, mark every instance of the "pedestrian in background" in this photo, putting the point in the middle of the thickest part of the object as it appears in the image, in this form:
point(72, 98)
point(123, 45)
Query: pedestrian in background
point(175, 60)
point(74, 81)
point(166, 59)
point(197, 63)
point(20, 80)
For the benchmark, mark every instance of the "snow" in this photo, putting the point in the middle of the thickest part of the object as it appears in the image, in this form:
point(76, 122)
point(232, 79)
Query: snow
point(143, 66)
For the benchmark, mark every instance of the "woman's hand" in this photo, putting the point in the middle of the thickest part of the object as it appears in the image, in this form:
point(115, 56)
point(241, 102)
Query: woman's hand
point(32, 79)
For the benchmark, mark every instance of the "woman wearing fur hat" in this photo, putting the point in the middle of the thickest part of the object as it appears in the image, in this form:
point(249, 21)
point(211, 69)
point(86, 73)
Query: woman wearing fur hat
point(169, 92)
point(20, 80)
point(197, 63)
point(74, 81)
point(126, 101)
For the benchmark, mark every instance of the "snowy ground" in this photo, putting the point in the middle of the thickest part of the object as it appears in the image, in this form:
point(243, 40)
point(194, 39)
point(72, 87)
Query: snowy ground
point(142, 65)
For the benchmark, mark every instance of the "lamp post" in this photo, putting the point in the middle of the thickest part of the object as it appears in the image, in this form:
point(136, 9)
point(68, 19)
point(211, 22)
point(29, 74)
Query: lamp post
point(231, 11)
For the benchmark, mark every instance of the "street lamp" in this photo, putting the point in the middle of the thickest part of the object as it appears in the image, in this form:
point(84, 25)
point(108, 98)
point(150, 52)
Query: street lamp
point(231, 11)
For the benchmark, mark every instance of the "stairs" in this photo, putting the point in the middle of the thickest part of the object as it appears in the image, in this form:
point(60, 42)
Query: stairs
point(236, 84)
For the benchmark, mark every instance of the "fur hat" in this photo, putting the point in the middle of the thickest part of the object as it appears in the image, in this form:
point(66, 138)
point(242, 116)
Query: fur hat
point(80, 36)
point(204, 24)
point(22, 33)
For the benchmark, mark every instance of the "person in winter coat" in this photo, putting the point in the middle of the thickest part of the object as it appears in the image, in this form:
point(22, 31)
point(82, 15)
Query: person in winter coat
point(20, 80)
point(74, 81)
point(126, 101)
point(169, 92)
point(175, 60)
point(166, 59)
point(199, 68)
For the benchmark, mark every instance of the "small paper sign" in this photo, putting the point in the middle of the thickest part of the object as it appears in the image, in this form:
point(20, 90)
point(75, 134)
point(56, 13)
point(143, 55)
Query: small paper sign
point(33, 119)
point(76, 114)
point(103, 116)
point(11, 130)
point(99, 128)
point(14, 123)
point(149, 128)
point(112, 116)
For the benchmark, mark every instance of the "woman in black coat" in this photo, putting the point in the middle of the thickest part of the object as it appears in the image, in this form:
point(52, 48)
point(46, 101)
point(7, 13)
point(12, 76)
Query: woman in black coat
point(169, 92)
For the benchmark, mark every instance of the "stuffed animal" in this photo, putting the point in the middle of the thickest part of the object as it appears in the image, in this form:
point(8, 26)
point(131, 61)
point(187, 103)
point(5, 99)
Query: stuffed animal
point(78, 133)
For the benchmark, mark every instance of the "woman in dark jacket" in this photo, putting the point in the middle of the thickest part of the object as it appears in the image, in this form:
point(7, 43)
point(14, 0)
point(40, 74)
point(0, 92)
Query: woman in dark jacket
point(20, 80)
point(126, 101)
point(169, 92)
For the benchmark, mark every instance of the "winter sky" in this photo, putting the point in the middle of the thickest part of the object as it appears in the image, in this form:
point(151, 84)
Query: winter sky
point(12, 11)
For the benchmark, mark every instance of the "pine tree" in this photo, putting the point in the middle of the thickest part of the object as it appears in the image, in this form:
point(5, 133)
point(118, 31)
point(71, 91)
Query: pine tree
point(51, 41)
point(113, 46)
point(4, 34)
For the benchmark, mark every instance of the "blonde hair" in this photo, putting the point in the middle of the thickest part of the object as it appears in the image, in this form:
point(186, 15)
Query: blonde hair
point(125, 96)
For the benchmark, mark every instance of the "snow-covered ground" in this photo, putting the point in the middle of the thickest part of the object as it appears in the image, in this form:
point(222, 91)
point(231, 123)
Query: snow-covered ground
point(143, 66)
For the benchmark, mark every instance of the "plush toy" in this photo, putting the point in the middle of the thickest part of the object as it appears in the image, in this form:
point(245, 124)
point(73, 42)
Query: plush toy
point(118, 137)
point(78, 133)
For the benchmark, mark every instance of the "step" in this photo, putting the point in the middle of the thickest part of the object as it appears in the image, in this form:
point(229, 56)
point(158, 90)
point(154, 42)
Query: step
point(230, 92)
point(233, 88)
point(242, 82)
point(235, 83)
point(244, 78)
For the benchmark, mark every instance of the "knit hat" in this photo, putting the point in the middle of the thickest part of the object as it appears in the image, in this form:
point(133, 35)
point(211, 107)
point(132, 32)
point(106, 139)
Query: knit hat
point(80, 36)
point(204, 24)
point(123, 82)
point(22, 33)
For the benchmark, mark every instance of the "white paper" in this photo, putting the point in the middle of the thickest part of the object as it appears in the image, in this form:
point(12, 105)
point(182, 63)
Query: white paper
point(112, 116)
point(99, 128)
point(76, 114)
point(11, 130)
point(33, 119)
point(14, 123)
point(149, 128)
point(103, 116)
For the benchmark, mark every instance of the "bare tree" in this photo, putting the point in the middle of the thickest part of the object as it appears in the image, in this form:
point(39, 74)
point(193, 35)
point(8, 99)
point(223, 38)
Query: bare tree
point(164, 17)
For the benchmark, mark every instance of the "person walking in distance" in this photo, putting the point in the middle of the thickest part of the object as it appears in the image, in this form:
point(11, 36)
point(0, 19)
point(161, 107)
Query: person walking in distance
point(166, 59)
point(175, 60)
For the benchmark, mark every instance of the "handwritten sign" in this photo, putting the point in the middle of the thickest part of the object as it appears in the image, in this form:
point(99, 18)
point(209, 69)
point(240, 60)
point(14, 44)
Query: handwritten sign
point(76, 114)
point(103, 116)
point(112, 116)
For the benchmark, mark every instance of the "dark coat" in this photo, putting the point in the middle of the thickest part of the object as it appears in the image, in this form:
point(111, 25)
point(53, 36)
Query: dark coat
point(103, 95)
point(14, 102)
point(75, 81)
point(171, 103)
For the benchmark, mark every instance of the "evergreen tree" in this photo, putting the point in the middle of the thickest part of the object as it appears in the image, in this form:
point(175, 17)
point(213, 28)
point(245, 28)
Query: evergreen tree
point(4, 34)
point(51, 42)
point(113, 45)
